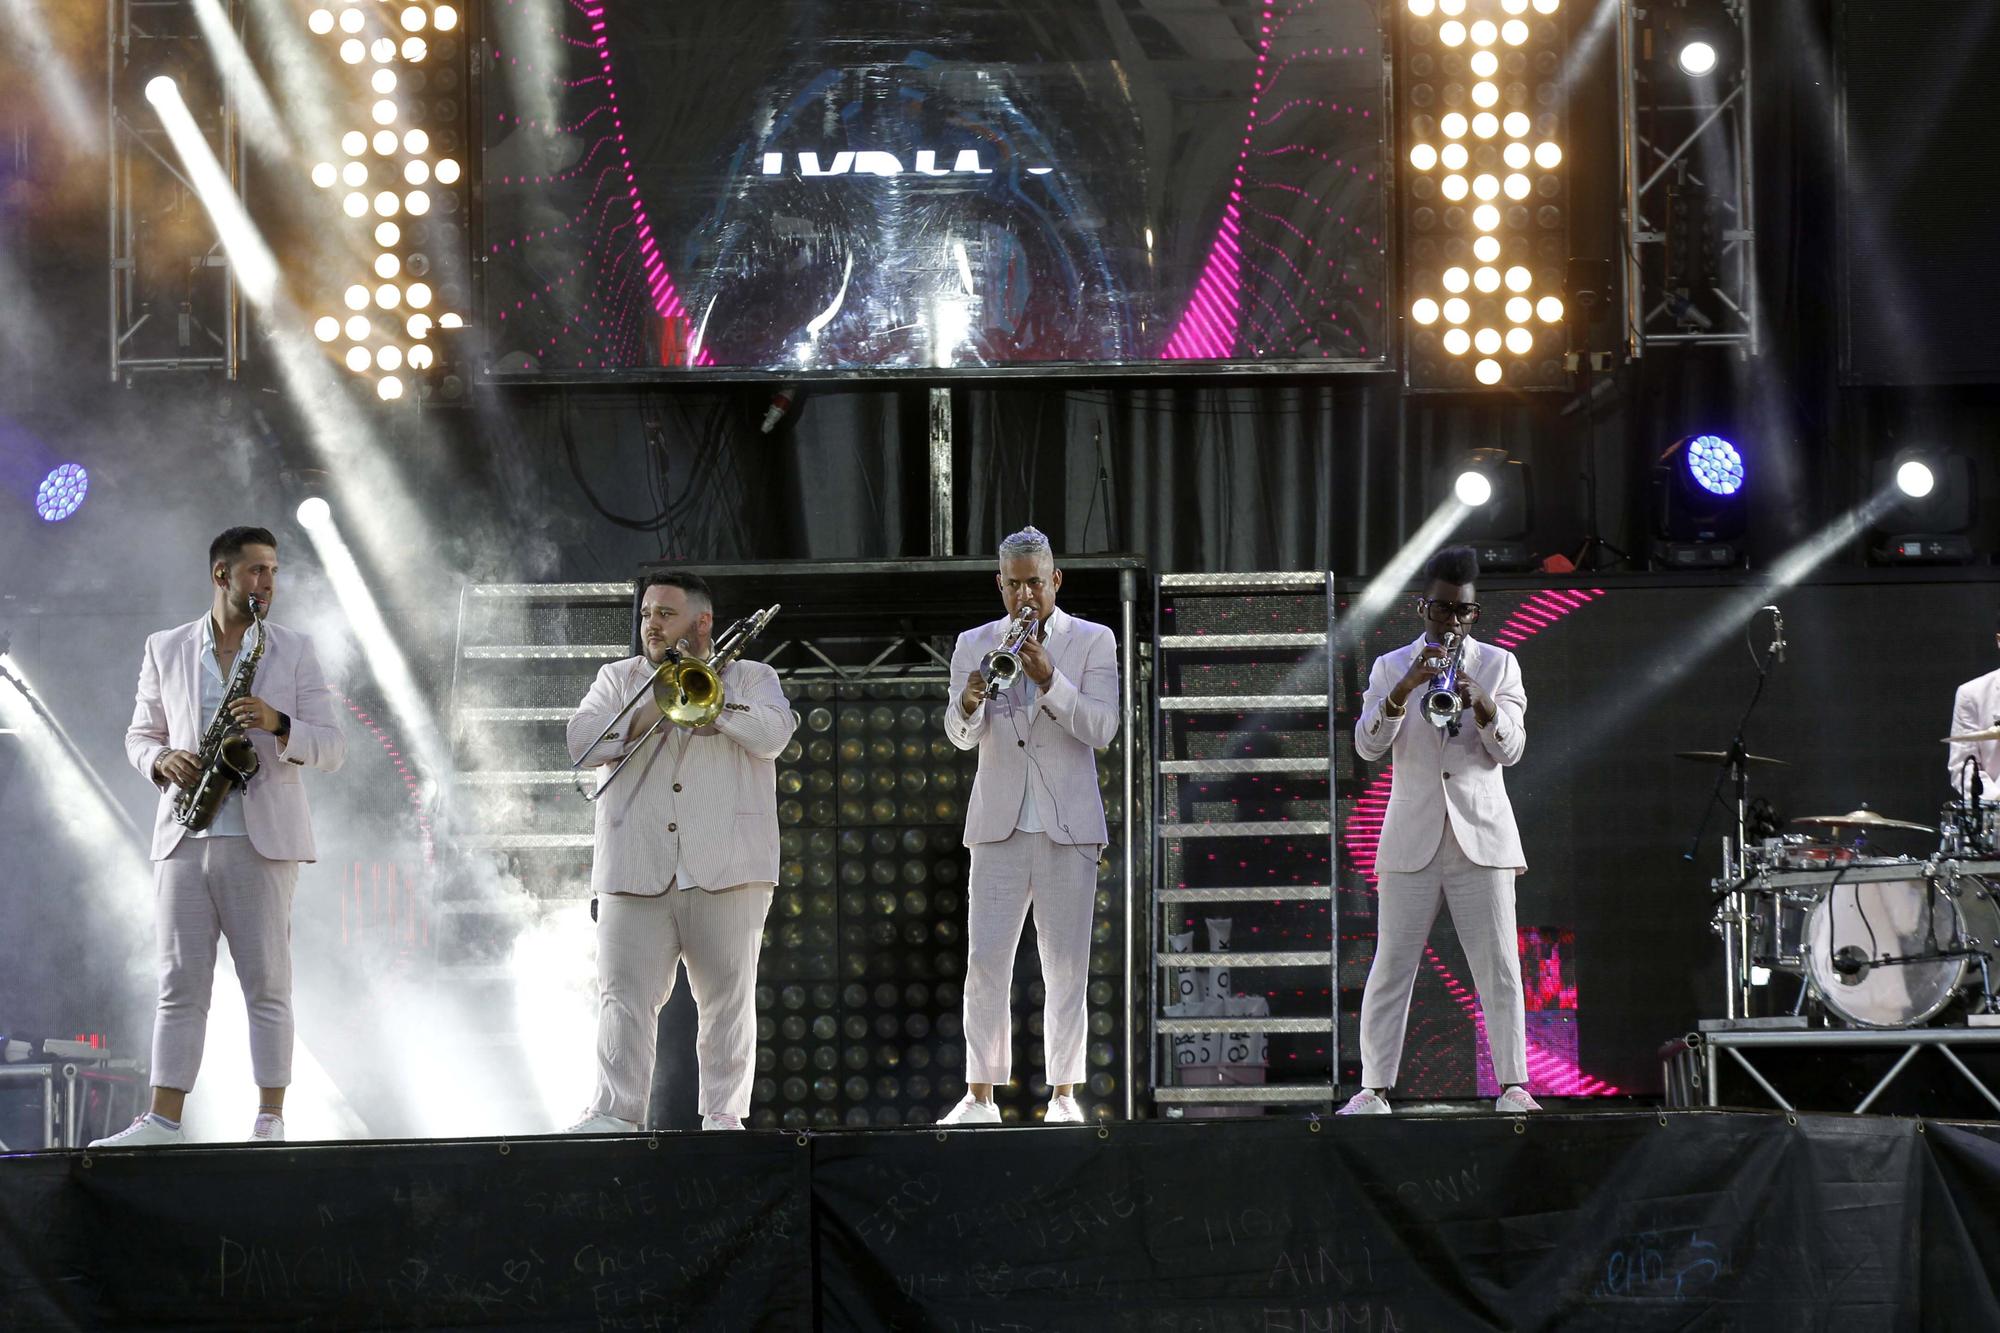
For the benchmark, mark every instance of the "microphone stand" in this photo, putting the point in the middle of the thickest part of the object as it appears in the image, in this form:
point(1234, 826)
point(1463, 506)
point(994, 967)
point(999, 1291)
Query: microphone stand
point(1733, 919)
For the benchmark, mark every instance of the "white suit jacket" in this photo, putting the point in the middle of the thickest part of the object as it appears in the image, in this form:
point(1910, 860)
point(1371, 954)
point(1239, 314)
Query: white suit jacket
point(1976, 708)
point(1054, 742)
point(167, 715)
point(1438, 776)
point(700, 808)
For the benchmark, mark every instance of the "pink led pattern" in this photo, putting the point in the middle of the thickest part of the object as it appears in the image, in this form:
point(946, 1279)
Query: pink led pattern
point(1241, 288)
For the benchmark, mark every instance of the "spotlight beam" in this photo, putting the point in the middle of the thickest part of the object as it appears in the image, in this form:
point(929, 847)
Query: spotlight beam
point(1387, 585)
point(256, 268)
point(266, 127)
point(73, 112)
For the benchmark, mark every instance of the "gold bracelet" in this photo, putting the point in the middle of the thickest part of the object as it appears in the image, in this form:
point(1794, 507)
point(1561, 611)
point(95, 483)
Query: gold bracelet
point(1390, 709)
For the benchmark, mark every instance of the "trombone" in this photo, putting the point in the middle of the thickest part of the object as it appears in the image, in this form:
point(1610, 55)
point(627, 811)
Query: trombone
point(686, 689)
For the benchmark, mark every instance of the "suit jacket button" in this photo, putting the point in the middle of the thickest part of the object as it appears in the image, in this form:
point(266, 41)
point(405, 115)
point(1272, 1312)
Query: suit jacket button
point(1022, 744)
point(1447, 777)
point(673, 828)
point(677, 786)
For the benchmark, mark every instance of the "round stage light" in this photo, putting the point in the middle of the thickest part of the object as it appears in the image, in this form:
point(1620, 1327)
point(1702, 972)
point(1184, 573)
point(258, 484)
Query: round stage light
point(1452, 125)
point(1454, 187)
point(386, 203)
point(355, 205)
point(1520, 309)
point(1547, 6)
point(358, 328)
point(1485, 64)
point(1915, 479)
point(1519, 341)
point(418, 202)
point(449, 320)
point(390, 357)
point(1696, 58)
point(415, 49)
point(388, 296)
point(390, 388)
point(1516, 124)
point(161, 89)
point(383, 49)
point(1422, 9)
point(444, 18)
point(416, 171)
point(1486, 217)
point(314, 513)
point(1517, 186)
point(1513, 32)
point(383, 81)
point(1517, 156)
point(1452, 33)
point(1423, 157)
point(387, 234)
point(358, 359)
point(61, 492)
point(1485, 125)
point(1455, 156)
point(1456, 311)
point(387, 266)
point(1486, 249)
point(324, 175)
point(354, 143)
point(1548, 156)
point(352, 51)
point(384, 112)
point(1715, 465)
point(419, 295)
point(1483, 33)
point(1486, 341)
point(354, 175)
point(1487, 371)
point(1472, 487)
point(1518, 279)
point(1486, 186)
point(320, 21)
point(416, 141)
point(421, 358)
point(1550, 308)
point(1486, 279)
point(414, 19)
point(1425, 311)
point(419, 326)
point(447, 171)
point(1451, 9)
point(1456, 279)
point(1457, 342)
point(385, 142)
point(356, 297)
point(1484, 94)
point(326, 328)
point(353, 20)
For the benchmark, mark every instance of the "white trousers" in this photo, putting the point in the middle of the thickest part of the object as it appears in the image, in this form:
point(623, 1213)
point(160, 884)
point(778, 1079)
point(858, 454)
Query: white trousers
point(641, 940)
point(1481, 899)
point(1060, 882)
point(209, 887)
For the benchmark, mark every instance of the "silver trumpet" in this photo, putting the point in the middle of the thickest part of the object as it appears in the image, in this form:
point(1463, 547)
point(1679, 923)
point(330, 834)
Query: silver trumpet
point(1442, 706)
point(1001, 667)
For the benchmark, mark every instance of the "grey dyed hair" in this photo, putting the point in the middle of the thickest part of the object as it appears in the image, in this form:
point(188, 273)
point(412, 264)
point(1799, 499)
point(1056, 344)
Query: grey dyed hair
point(1030, 541)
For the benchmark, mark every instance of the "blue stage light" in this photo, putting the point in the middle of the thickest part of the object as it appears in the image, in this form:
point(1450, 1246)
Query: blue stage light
point(61, 492)
point(1715, 465)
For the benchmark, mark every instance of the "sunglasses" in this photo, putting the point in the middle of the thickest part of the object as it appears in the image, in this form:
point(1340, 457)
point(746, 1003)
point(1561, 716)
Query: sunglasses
point(1459, 611)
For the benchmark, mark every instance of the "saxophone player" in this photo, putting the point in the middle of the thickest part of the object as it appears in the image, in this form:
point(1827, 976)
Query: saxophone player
point(231, 871)
point(1035, 821)
point(685, 863)
point(1449, 835)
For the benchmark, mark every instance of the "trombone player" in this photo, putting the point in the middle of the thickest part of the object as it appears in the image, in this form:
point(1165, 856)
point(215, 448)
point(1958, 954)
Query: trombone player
point(686, 858)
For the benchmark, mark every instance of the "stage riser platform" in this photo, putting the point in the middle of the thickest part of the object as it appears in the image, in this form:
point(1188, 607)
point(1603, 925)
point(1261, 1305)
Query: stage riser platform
point(1604, 1221)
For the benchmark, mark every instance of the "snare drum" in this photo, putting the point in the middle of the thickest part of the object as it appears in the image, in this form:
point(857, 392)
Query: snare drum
point(1797, 851)
point(1853, 923)
point(1966, 834)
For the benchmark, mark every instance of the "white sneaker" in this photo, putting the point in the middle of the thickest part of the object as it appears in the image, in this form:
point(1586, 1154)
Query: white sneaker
point(1063, 1110)
point(1365, 1102)
point(268, 1129)
point(721, 1122)
point(145, 1132)
point(971, 1111)
point(595, 1123)
point(1516, 1100)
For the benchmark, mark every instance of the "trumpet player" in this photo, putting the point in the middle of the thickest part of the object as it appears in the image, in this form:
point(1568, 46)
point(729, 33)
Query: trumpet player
point(1450, 710)
point(686, 859)
point(1037, 701)
point(230, 870)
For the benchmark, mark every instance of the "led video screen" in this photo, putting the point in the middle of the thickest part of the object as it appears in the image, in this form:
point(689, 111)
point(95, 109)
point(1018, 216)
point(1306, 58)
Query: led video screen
point(801, 189)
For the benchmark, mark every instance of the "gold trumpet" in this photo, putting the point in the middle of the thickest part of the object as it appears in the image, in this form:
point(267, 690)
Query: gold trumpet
point(686, 689)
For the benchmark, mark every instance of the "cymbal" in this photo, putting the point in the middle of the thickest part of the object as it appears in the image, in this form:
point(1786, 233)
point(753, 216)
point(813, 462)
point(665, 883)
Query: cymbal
point(1718, 756)
point(1990, 734)
point(1862, 819)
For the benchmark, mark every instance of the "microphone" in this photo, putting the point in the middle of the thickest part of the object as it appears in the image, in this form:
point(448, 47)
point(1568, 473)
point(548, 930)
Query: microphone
point(1851, 963)
point(1777, 632)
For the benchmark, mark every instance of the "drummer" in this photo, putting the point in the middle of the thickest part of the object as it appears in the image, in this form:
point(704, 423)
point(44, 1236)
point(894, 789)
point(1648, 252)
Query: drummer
point(1976, 710)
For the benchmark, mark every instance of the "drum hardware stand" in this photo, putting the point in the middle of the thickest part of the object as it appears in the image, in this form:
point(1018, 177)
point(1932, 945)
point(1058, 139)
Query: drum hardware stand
point(1733, 920)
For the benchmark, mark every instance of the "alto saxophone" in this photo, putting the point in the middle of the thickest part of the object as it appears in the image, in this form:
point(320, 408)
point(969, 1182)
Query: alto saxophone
point(228, 759)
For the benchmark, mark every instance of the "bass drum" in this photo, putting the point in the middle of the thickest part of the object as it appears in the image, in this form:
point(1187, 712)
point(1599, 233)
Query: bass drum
point(1894, 919)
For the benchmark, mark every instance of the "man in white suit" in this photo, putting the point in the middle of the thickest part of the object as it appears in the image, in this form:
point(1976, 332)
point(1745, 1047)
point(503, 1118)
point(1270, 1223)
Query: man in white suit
point(686, 862)
point(1034, 822)
point(1976, 707)
point(1449, 834)
point(234, 878)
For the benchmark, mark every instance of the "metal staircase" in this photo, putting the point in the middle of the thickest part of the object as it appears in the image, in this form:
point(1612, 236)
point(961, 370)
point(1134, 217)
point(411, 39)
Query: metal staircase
point(1238, 733)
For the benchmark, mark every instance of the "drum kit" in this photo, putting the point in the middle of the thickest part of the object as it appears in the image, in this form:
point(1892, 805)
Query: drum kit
point(1875, 941)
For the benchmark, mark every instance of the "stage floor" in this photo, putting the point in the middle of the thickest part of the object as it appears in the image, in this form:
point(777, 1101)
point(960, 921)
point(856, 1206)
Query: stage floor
point(1610, 1220)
